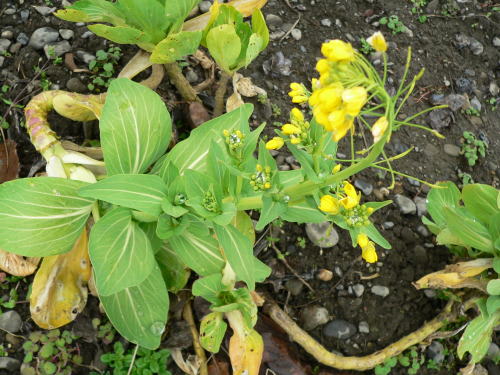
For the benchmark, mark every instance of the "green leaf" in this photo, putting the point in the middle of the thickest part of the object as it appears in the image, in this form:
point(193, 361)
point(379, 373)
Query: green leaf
point(447, 195)
point(177, 11)
point(212, 331)
point(238, 251)
point(481, 201)
point(244, 224)
point(271, 210)
point(259, 27)
point(261, 270)
point(291, 177)
point(201, 254)
point(41, 216)
point(305, 212)
point(168, 227)
point(224, 45)
point(377, 205)
point(255, 46)
point(137, 191)
point(493, 287)
point(465, 227)
point(209, 287)
point(170, 209)
point(433, 227)
point(477, 337)
point(92, 11)
point(494, 227)
point(176, 46)
point(139, 313)
point(496, 265)
point(493, 304)
point(120, 252)
point(135, 127)
point(375, 236)
point(119, 34)
point(174, 272)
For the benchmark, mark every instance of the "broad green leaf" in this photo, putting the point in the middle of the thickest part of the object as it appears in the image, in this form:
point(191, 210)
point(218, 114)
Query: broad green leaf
point(172, 210)
point(201, 254)
point(493, 304)
point(238, 251)
point(174, 272)
point(433, 227)
point(137, 191)
point(291, 177)
point(41, 216)
point(135, 127)
point(493, 287)
point(470, 231)
point(494, 227)
point(209, 287)
point(375, 236)
point(496, 265)
point(271, 210)
point(176, 11)
point(255, 46)
point(481, 201)
point(261, 270)
point(259, 27)
point(119, 34)
point(168, 226)
point(212, 331)
point(224, 45)
point(447, 195)
point(139, 313)
point(120, 252)
point(146, 16)
point(305, 212)
point(150, 231)
point(244, 224)
point(446, 237)
point(176, 46)
point(477, 337)
point(92, 11)
point(377, 205)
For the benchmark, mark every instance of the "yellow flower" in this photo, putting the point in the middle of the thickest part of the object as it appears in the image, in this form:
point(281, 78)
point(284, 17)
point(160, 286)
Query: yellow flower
point(321, 116)
point(379, 128)
point(342, 130)
point(330, 98)
point(377, 41)
point(338, 50)
point(296, 86)
point(367, 248)
point(297, 99)
point(335, 120)
point(354, 99)
point(362, 240)
point(336, 168)
point(275, 144)
point(329, 204)
point(298, 90)
point(352, 198)
point(296, 115)
point(290, 129)
point(322, 66)
point(295, 141)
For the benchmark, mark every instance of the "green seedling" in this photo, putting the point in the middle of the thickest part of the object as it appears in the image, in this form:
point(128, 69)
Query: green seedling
point(105, 332)
point(418, 8)
point(366, 48)
point(466, 178)
point(473, 148)
point(393, 23)
point(103, 68)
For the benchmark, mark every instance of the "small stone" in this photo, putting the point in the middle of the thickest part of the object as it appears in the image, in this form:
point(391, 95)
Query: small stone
point(4, 45)
point(464, 85)
point(9, 11)
point(379, 290)
point(2, 60)
point(10, 321)
point(452, 150)
point(363, 327)
point(476, 104)
point(422, 230)
point(493, 352)
point(494, 89)
point(7, 34)
point(87, 34)
point(413, 182)
point(435, 351)
point(192, 76)
point(322, 234)
point(364, 186)
point(66, 33)
point(42, 36)
point(275, 35)
point(44, 10)
point(204, 6)
point(23, 39)
point(496, 41)
point(75, 85)
point(421, 204)
point(296, 34)
point(455, 102)
point(53, 50)
point(9, 364)
point(405, 204)
point(326, 22)
point(388, 225)
point(339, 329)
point(25, 14)
point(314, 316)
point(358, 289)
point(273, 21)
point(85, 56)
point(476, 47)
point(440, 118)
point(294, 286)
point(324, 275)
point(430, 293)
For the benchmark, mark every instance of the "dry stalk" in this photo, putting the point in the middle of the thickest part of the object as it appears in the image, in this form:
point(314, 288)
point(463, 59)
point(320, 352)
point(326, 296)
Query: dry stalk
point(220, 93)
point(175, 75)
point(187, 314)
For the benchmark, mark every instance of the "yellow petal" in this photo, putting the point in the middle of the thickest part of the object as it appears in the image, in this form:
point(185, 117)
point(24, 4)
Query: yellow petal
point(296, 115)
point(362, 240)
point(377, 41)
point(337, 50)
point(322, 66)
point(354, 99)
point(290, 129)
point(379, 128)
point(329, 204)
point(368, 253)
point(58, 293)
point(275, 144)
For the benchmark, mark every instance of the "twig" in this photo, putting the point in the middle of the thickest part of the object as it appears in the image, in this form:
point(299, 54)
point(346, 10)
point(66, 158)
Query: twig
point(133, 360)
point(175, 75)
point(220, 93)
point(187, 314)
point(291, 28)
point(287, 265)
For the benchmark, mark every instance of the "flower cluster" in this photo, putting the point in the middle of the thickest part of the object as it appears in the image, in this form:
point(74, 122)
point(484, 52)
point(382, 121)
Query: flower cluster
point(261, 180)
point(367, 248)
point(347, 199)
point(234, 140)
point(299, 93)
point(297, 131)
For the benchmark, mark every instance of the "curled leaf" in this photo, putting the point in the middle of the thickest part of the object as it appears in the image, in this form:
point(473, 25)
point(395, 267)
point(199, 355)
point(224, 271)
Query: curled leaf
point(68, 106)
point(17, 265)
point(59, 292)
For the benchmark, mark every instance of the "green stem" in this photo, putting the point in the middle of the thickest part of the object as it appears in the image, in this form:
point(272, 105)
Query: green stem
point(384, 80)
point(407, 69)
point(95, 212)
point(318, 152)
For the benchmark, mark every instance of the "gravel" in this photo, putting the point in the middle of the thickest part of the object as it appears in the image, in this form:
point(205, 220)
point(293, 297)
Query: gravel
point(405, 204)
point(322, 234)
point(42, 36)
point(314, 316)
point(10, 321)
point(381, 291)
point(339, 329)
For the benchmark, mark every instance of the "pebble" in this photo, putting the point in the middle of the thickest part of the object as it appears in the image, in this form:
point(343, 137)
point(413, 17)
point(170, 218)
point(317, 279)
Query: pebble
point(494, 89)
point(23, 39)
point(273, 21)
point(476, 104)
point(358, 289)
point(421, 204)
point(324, 275)
point(66, 33)
point(322, 234)
point(204, 6)
point(422, 230)
point(7, 34)
point(435, 351)
point(85, 56)
point(314, 316)
point(405, 204)
point(75, 85)
point(53, 50)
point(278, 64)
point(430, 293)
point(25, 14)
point(10, 321)
point(4, 45)
point(363, 327)
point(87, 34)
point(440, 118)
point(496, 41)
point(191, 76)
point(339, 329)
point(2, 60)
point(326, 22)
point(44, 10)
point(476, 47)
point(9, 11)
point(493, 351)
point(294, 286)
point(9, 364)
point(296, 34)
point(42, 36)
point(464, 85)
point(455, 102)
point(364, 186)
point(388, 225)
point(451, 150)
point(379, 290)
point(15, 47)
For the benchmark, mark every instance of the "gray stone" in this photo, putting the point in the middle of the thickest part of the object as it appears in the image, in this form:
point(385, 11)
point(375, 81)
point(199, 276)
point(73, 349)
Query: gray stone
point(25, 14)
point(339, 329)
point(10, 321)
point(75, 85)
point(358, 289)
point(85, 56)
point(4, 45)
point(493, 352)
point(2, 60)
point(53, 50)
point(435, 351)
point(496, 41)
point(326, 22)
point(405, 204)
point(423, 231)
point(388, 225)
point(42, 36)
point(322, 234)
point(421, 204)
point(455, 101)
point(452, 150)
point(476, 47)
point(9, 364)
point(494, 89)
point(440, 118)
point(23, 39)
point(7, 34)
point(379, 290)
point(66, 33)
point(364, 186)
point(204, 6)
point(275, 35)
point(44, 10)
point(464, 85)
point(430, 293)
point(294, 286)
point(363, 327)
point(413, 182)
point(313, 316)
point(87, 34)
point(273, 21)
point(15, 47)
point(296, 34)
point(420, 254)
point(476, 104)
point(192, 76)
point(9, 11)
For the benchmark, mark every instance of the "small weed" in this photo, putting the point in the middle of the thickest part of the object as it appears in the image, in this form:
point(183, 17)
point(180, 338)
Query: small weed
point(466, 178)
point(410, 359)
point(301, 242)
point(472, 112)
point(494, 103)
point(365, 48)
point(103, 68)
point(276, 110)
point(105, 332)
point(418, 9)
point(44, 81)
point(9, 300)
point(394, 24)
point(263, 99)
point(473, 148)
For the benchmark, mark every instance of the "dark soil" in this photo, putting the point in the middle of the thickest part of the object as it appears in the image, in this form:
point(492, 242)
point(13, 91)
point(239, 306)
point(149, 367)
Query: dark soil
point(413, 255)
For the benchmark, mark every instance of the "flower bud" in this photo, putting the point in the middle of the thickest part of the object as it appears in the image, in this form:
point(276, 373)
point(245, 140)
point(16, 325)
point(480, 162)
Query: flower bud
point(379, 128)
point(377, 41)
point(275, 144)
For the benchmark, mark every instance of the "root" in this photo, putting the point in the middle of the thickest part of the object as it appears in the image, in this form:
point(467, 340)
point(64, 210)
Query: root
point(323, 356)
point(187, 314)
point(220, 93)
point(175, 75)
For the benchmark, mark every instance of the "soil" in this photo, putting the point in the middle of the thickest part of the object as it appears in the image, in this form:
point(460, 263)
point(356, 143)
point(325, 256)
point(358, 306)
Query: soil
point(413, 255)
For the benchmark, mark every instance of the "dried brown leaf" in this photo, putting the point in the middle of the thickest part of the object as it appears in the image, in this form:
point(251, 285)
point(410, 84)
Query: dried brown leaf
point(17, 265)
point(9, 162)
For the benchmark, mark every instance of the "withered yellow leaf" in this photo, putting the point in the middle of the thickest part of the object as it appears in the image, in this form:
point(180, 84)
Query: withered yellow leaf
point(245, 352)
point(17, 265)
point(59, 292)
